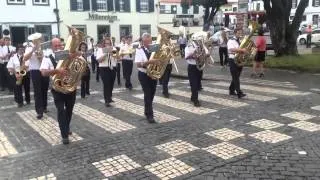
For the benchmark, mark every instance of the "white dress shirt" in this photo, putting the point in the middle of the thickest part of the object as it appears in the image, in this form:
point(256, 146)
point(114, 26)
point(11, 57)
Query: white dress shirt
point(14, 62)
point(109, 61)
point(189, 50)
point(222, 43)
point(5, 50)
point(34, 62)
point(141, 58)
point(232, 44)
point(46, 64)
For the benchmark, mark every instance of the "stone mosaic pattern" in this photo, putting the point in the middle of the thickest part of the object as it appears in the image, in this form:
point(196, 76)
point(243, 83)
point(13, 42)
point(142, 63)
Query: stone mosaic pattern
point(6, 148)
point(179, 105)
point(306, 126)
point(270, 136)
point(177, 147)
point(225, 150)
point(100, 119)
point(298, 116)
point(225, 134)
point(47, 127)
point(265, 124)
point(46, 177)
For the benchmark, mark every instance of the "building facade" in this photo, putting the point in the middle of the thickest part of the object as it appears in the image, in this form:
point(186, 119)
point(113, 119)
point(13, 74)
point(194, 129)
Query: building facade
point(20, 18)
point(116, 18)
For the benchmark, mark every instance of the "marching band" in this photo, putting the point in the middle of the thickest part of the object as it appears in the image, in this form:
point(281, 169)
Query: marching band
point(32, 61)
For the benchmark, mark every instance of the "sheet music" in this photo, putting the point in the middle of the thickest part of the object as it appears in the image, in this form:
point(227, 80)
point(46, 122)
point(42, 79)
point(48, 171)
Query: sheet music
point(61, 55)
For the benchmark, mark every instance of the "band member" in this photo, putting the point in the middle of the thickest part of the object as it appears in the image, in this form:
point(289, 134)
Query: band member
point(85, 80)
point(194, 74)
point(127, 62)
point(233, 48)
point(15, 66)
point(94, 63)
point(107, 66)
point(40, 83)
point(165, 79)
point(63, 102)
point(99, 45)
point(6, 53)
point(142, 60)
point(118, 67)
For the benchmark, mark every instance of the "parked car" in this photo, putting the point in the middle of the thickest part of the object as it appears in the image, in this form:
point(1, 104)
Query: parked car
point(303, 28)
point(315, 37)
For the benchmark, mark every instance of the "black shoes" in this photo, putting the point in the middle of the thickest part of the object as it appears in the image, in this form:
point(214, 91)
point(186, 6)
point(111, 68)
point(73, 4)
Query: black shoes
point(46, 111)
point(39, 116)
point(65, 141)
point(20, 105)
point(107, 104)
point(196, 103)
point(232, 93)
point(151, 120)
point(166, 95)
point(241, 95)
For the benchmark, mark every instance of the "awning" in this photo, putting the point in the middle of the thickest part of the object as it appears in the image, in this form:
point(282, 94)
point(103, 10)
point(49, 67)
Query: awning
point(175, 30)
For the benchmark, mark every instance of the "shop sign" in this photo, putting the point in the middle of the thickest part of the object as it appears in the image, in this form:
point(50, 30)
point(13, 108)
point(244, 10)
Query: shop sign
point(99, 17)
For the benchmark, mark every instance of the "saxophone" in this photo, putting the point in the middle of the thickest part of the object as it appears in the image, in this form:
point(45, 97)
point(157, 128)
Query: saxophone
point(75, 67)
point(247, 43)
point(165, 52)
point(22, 71)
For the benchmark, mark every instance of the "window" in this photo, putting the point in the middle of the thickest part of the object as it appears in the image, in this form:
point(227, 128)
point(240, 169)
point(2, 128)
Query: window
point(79, 5)
point(121, 5)
point(144, 6)
point(45, 30)
point(103, 30)
point(304, 18)
point(294, 3)
point(162, 9)
point(315, 3)
point(185, 9)
point(40, 2)
point(166, 9)
point(102, 5)
point(82, 28)
point(315, 19)
point(145, 29)
point(125, 30)
point(234, 9)
point(15, 2)
point(195, 9)
point(258, 6)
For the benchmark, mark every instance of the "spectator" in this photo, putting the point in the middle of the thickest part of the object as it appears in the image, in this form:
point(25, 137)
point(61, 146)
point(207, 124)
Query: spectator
point(309, 33)
point(261, 54)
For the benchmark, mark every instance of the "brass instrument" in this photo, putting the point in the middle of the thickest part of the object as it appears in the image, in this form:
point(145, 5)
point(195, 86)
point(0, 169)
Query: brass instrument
point(75, 67)
point(155, 71)
point(247, 43)
point(22, 71)
point(202, 53)
point(36, 39)
point(130, 51)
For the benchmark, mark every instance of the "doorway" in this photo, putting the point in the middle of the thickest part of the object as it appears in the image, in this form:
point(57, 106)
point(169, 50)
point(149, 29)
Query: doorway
point(102, 30)
point(18, 35)
point(125, 30)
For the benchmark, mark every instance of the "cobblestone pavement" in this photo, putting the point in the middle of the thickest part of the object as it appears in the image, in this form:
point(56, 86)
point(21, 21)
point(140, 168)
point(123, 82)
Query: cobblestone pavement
point(273, 133)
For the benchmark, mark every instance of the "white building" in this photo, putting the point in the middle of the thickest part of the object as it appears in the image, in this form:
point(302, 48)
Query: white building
point(19, 18)
point(116, 18)
point(311, 13)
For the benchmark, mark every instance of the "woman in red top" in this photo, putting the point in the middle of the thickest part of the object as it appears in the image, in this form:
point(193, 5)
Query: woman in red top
point(261, 54)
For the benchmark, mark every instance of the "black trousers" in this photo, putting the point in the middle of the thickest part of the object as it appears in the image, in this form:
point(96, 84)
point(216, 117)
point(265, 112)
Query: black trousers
point(5, 77)
point(194, 76)
point(182, 48)
point(40, 88)
point(94, 63)
point(64, 104)
point(108, 77)
point(235, 73)
point(98, 72)
point(165, 79)
point(149, 87)
point(85, 83)
point(18, 95)
point(127, 72)
point(118, 70)
point(223, 51)
point(308, 41)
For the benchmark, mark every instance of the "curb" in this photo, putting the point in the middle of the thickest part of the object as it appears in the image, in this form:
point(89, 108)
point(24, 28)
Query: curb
point(183, 76)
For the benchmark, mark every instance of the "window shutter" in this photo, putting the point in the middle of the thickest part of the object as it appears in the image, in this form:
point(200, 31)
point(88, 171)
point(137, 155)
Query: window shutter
point(117, 5)
point(94, 5)
point(86, 5)
point(138, 5)
point(151, 5)
point(110, 5)
point(173, 9)
point(73, 5)
point(127, 6)
point(313, 2)
point(196, 9)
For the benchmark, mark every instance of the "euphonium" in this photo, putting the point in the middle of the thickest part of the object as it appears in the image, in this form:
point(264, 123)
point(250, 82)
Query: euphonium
point(75, 67)
point(202, 53)
point(36, 39)
point(247, 43)
point(155, 71)
point(22, 72)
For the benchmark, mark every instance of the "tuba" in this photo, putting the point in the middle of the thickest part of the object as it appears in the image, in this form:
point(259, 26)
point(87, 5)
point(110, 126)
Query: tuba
point(75, 67)
point(164, 54)
point(202, 53)
point(247, 43)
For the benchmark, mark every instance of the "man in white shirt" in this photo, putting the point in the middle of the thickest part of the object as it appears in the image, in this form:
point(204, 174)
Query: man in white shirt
point(194, 74)
point(15, 65)
point(107, 69)
point(94, 63)
point(182, 41)
point(233, 48)
point(39, 82)
point(149, 85)
point(7, 51)
point(63, 102)
point(127, 62)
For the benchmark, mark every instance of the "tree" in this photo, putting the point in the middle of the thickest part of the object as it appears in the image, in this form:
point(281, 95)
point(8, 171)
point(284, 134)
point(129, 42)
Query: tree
point(283, 34)
point(211, 8)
